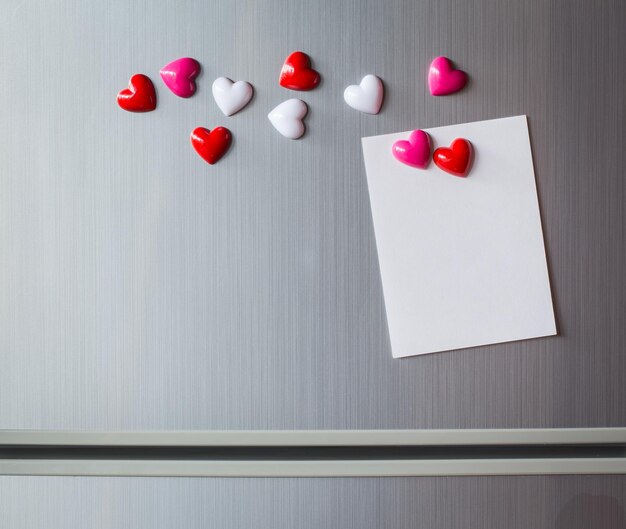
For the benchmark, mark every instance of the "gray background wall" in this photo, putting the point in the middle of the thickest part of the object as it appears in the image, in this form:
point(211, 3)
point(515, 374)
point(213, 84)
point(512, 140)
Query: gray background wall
point(141, 288)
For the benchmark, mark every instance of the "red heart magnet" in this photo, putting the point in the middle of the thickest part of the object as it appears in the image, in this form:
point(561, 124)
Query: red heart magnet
point(211, 145)
point(456, 159)
point(140, 95)
point(297, 74)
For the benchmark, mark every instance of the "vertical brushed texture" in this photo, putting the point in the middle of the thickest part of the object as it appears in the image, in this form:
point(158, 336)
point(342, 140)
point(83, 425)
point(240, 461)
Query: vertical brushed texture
point(142, 289)
point(417, 503)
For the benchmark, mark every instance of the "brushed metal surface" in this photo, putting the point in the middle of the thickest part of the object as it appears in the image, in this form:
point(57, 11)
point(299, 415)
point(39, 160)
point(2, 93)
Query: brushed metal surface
point(159, 468)
point(142, 289)
point(316, 438)
point(555, 502)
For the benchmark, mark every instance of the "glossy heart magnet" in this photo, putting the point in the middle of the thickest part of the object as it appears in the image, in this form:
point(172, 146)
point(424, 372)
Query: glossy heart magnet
point(456, 159)
point(211, 145)
point(415, 151)
point(297, 74)
point(367, 96)
point(140, 95)
point(179, 76)
point(231, 97)
point(444, 79)
point(287, 118)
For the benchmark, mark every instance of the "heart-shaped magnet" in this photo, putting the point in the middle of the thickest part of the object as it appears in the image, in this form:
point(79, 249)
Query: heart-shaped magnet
point(231, 97)
point(415, 151)
point(140, 95)
point(444, 79)
point(211, 145)
point(456, 159)
point(179, 76)
point(367, 96)
point(287, 118)
point(297, 74)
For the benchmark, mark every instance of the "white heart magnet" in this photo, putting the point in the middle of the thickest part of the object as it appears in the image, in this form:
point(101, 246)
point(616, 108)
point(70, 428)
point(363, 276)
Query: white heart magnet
point(287, 118)
point(231, 97)
point(367, 96)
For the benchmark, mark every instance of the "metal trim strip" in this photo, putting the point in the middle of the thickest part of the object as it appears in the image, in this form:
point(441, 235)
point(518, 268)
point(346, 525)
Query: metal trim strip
point(316, 437)
point(313, 469)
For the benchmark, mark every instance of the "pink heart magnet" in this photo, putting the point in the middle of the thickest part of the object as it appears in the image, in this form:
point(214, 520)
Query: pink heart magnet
point(414, 152)
point(179, 76)
point(444, 79)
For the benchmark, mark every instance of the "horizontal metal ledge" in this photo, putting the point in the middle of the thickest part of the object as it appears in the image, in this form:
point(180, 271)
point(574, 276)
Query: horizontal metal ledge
point(312, 469)
point(317, 437)
point(318, 453)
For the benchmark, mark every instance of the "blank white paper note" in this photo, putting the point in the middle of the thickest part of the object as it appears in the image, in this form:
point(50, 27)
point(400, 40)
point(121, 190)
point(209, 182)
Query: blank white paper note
point(462, 260)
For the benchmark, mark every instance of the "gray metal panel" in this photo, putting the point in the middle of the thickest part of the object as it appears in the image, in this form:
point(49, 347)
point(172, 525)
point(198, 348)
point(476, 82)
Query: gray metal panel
point(310, 469)
point(554, 502)
point(143, 289)
point(352, 438)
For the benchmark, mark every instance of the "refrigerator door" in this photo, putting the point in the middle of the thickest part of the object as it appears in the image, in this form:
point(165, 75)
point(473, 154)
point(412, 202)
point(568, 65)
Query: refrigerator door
point(141, 288)
point(563, 502)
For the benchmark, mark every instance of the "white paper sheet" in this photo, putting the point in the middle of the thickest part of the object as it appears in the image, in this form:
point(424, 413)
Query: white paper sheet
point(462, 260)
